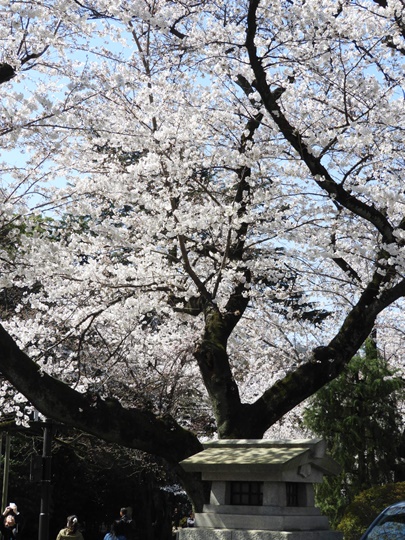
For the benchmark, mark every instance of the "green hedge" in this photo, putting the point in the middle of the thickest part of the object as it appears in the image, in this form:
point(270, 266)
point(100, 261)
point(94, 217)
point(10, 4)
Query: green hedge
point(366, 507)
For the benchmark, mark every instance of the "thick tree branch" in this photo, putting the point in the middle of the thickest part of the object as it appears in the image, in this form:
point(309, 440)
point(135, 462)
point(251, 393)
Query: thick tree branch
point(7, 72)
point(105, 419)
point(327, 362)
point(212, 358)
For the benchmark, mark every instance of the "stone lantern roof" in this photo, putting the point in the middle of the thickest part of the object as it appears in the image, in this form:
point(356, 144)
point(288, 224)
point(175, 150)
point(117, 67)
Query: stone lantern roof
point(267, 458)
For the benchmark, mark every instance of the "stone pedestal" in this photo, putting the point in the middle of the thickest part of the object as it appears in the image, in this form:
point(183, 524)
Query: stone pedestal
point(229, 534)
point(274, 518)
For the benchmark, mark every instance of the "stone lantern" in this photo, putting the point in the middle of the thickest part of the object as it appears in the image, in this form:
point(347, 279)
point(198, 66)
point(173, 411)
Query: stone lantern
point(261, 490)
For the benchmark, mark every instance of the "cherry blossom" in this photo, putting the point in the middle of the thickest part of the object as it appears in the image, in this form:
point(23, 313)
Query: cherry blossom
point(210, 204)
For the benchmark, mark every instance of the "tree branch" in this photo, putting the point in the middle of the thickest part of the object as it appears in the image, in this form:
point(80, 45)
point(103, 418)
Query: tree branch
point(320, 174)
point(327, 362)
point(105, 419)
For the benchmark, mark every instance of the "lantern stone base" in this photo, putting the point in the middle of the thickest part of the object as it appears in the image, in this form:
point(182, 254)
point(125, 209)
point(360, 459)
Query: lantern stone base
point(236, 534)
point(262, 518)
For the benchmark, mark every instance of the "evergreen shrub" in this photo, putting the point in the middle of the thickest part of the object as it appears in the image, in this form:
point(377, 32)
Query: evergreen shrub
point(366, 506)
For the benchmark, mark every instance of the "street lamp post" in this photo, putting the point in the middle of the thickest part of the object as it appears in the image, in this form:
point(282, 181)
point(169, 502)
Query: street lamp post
point(43, 531)
point(6, 469)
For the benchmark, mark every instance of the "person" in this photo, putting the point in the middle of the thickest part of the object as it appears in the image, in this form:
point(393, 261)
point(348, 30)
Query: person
point(128, 523)
point(190, 520)
point(117, 531)
point(16, 527)
point(8, 527)
point(71, 531)
point(124, 515)
point(175, 523)
point(19, 521)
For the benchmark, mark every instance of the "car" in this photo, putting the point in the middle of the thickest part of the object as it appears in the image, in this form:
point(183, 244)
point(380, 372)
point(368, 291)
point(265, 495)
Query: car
point(389, 525)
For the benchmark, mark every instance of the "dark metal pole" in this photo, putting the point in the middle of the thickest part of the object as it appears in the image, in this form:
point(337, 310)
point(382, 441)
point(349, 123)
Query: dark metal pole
point(4, 494)
point(43, 531)
point(1, 464)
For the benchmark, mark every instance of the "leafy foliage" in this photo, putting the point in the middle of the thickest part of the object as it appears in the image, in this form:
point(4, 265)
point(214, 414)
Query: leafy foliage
point(367, 506)
point(359, 416)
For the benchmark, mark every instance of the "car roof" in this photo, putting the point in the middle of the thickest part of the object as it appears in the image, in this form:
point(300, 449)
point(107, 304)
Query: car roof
point(400, 505)
point(397, 504)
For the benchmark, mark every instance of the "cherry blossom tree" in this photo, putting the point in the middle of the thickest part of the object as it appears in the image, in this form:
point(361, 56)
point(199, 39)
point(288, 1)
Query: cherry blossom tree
point(210, 205)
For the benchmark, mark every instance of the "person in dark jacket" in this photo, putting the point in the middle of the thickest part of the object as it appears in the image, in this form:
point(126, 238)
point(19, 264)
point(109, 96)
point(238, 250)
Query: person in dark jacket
point(8, 527)
point(13, 528)
point(128, 522)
